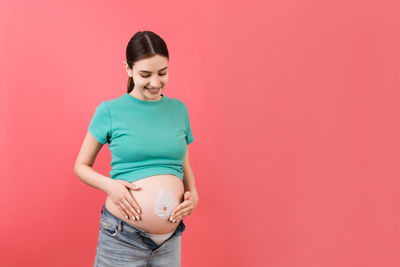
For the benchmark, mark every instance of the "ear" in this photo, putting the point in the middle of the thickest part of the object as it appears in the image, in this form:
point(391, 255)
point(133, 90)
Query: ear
point(128, 70)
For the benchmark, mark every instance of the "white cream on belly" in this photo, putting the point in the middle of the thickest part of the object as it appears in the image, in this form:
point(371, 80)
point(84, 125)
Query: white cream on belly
point(164, 203)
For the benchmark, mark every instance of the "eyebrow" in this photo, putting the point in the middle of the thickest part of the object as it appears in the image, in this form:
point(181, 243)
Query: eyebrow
point(150, 71)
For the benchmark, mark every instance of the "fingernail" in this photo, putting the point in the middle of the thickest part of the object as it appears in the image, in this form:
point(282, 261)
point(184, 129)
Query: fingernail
point(137, 217)
point(127, 217)
point(133, 217)
point(171, 219)
point(174, 220)
point(139, 211)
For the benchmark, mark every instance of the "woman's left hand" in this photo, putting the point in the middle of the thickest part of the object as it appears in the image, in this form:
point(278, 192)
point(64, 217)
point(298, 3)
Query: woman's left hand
point(185, 208)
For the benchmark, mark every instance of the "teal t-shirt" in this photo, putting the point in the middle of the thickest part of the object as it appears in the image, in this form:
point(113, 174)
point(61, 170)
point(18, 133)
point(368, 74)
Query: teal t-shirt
point(145, 137)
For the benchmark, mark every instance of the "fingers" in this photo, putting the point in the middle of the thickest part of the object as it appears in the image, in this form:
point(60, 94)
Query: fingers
point(182, 214)
point(122, 210)
point(127, 203)
point(125, 207)
point(181, 206)
point(183, 211)
point(133, 205)
point(133, 186)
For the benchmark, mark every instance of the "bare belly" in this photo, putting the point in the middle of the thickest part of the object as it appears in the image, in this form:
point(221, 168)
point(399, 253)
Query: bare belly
point(147, 197)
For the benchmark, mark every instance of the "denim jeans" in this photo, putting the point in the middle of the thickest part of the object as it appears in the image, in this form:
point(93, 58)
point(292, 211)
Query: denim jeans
point(123, 244)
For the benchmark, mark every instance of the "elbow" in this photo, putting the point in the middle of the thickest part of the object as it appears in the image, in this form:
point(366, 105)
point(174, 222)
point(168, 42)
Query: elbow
point(79, 164)
point(76, 165)
point(77, 168)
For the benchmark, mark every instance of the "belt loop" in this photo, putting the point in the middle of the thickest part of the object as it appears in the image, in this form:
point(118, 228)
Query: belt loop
point(119, 227)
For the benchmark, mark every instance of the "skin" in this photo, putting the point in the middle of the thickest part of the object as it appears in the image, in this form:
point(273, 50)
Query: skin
point(90, 148)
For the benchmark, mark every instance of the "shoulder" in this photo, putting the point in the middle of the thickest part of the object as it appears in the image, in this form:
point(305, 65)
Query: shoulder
point(176, 102)
point(112, 103)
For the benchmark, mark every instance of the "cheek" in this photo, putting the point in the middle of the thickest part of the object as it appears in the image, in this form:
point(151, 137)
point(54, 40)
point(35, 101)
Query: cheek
point(141, 82)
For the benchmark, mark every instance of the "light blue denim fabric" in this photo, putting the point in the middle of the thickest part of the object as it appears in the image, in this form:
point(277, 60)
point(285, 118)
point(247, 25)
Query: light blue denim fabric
point(122, 244)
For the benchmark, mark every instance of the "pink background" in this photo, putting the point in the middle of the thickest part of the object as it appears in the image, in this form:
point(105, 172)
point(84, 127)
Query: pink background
point(294, 107)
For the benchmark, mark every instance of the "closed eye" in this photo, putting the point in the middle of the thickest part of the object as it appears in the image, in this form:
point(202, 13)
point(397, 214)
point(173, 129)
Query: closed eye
point(161, 74)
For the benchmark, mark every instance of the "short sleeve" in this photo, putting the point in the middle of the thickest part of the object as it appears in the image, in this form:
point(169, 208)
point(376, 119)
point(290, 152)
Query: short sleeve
point(189, 134)
point(100, 124)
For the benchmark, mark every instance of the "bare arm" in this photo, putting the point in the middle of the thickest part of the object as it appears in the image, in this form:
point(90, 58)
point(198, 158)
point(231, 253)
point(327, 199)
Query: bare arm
point(188, 177)
point(83, 167)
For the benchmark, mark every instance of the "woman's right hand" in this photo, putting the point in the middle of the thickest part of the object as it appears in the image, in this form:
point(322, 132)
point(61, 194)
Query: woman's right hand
point(123, 199)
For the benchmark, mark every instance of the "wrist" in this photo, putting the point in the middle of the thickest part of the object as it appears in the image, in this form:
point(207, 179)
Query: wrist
point(107, 184)
point(195, 196)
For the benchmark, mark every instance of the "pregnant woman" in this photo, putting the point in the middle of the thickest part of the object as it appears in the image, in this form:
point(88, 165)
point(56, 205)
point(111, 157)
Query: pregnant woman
point(152, 186)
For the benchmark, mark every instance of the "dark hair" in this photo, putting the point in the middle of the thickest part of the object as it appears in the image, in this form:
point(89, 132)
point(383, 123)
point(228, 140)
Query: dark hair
point(144, 44)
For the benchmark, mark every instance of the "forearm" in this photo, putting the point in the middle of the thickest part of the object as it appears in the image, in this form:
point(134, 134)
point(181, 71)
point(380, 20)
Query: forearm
point(92, 178)
point(189, 183)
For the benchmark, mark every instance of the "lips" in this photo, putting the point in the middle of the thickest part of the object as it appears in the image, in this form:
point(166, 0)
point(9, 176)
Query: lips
point(153, 91)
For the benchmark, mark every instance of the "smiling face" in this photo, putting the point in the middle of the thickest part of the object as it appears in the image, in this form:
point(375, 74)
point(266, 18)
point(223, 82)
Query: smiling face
point(149, 73)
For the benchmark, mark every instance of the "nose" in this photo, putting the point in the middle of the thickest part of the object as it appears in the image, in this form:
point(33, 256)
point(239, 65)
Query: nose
point(155, 83)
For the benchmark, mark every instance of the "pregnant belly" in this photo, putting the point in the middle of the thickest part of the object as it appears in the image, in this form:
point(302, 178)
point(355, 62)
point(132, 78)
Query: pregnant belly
point(155, 190)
